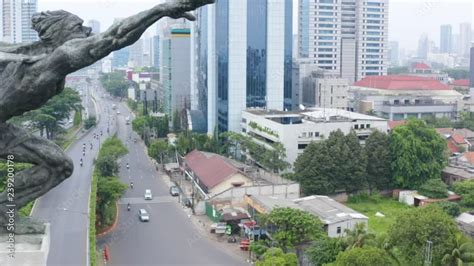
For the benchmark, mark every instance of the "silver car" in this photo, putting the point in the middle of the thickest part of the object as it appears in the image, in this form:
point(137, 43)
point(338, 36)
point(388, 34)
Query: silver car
point(148, 195)
point(143, 215)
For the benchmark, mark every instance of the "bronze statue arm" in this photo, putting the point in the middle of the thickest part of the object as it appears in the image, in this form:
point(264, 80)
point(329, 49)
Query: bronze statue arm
point(10, 57)
point(83, 52)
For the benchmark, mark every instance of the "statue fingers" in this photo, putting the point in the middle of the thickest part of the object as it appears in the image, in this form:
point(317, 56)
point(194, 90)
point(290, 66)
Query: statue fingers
point(189, 16)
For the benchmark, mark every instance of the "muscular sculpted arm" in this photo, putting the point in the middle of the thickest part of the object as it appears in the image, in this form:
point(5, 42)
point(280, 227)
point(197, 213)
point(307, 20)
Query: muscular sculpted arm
point(10, 57)
point(83, 52)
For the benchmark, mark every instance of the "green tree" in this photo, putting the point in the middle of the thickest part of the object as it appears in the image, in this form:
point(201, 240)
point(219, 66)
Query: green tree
point(466, 190)
point(325, 250)
point(441, 122)
point(414, 227)
point(176, 121)
point(462, 253)
point(398, 70)
point(335, 164)
point(457, 73)
point(450, 208)
point(109, 190)
point(355, 165)
point(294, 227)
point(418, 154)
point(276, 257)
point(434, 188)
point(90, 122)
point(115, 83)
point(107, 165)
point(379, 175)
point(367, 256)
point(358, 237)
point(158, 149)
point(77, 118)
point(313, 169)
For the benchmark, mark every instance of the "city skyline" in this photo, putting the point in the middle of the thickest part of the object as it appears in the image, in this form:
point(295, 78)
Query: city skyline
point(420, 16)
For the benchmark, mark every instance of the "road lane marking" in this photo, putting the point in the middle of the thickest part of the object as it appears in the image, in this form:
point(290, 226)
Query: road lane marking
point(159, 199)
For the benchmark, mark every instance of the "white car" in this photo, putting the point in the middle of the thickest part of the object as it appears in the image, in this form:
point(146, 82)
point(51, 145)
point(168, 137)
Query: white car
point(148, 195)
point(143, 215)
point(118, 112)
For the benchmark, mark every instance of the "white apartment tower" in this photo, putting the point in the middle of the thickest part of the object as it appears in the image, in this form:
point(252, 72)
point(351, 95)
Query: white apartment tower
point(346, 36)
point(15, 21)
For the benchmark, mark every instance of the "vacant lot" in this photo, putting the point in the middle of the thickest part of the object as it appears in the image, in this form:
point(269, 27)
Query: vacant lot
point(369, 206)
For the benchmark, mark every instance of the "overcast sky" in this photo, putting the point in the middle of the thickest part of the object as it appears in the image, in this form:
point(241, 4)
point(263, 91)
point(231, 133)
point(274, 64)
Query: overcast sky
point(408, 18)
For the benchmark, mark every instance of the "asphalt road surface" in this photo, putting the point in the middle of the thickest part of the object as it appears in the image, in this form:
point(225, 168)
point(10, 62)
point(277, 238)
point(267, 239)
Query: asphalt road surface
point(66, 206)
point(169, 238)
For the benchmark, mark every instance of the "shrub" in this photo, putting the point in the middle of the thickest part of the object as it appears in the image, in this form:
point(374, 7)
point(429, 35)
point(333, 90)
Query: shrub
point(434, 188)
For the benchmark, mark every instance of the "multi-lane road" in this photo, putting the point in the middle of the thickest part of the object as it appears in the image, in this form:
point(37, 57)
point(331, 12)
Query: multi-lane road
point(169, 238)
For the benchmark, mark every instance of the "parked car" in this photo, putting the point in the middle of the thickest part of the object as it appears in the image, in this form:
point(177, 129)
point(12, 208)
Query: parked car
point(143, 215)
point(174, 191)
point(148, 195)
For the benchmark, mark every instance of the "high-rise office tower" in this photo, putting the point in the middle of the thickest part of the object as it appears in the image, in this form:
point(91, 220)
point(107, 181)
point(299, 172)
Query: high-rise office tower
point(446, 37)
point(15, 21)
point(155, 51)
point(465, 38)
point(243, 59)
point(95, 25)
point(175, 70)
point(135, 58)
point(350, 36)
point(394, 54)
point(120, 57)
point(423, 47)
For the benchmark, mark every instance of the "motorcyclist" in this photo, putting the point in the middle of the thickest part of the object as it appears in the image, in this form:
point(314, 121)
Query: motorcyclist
point(128, 206)
point(80, 161)
point(128, 166)
point(131, 185)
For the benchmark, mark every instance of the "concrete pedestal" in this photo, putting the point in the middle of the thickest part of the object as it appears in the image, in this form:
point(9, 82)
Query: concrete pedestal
point(30, 250)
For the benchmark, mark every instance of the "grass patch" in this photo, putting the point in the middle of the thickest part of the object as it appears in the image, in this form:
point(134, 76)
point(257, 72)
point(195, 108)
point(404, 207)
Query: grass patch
point(369, 206)
point(26, 210)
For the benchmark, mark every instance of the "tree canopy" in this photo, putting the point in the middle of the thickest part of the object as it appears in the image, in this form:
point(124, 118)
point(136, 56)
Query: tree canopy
point(338, 163)
point(434, 188)
point(293, 226)
point(367, 256)
point(379, 174)
point(414, 227)
point(115, 83)
point(418, 154)
point(276, 257)
point(466, 190)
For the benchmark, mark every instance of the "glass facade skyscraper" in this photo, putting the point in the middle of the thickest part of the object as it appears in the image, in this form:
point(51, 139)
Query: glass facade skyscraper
point(243, 59)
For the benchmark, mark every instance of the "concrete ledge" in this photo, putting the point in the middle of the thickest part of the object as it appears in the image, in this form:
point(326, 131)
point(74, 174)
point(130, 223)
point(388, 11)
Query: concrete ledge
point(29, 249)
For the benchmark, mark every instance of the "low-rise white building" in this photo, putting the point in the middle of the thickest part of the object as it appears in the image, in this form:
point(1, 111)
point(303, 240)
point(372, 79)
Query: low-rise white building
point(296, 129)
point(400, 97)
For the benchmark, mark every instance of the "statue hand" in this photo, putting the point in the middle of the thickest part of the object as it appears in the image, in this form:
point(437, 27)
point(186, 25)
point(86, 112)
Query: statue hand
point(188, 5)
point(33, 59)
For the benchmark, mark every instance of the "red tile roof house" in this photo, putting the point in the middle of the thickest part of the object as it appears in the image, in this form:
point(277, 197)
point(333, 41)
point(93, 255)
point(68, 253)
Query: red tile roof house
point(459, 140)
point(212, 173)
point(467, 159)
point(401, 97)
point(461, 85)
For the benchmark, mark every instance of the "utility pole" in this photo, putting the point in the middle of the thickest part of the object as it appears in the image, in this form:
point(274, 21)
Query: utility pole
point(428, 253)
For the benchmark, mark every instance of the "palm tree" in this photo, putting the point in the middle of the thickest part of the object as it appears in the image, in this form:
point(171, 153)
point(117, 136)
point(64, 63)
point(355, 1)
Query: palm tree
point(358, 237)
point(462, 254)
